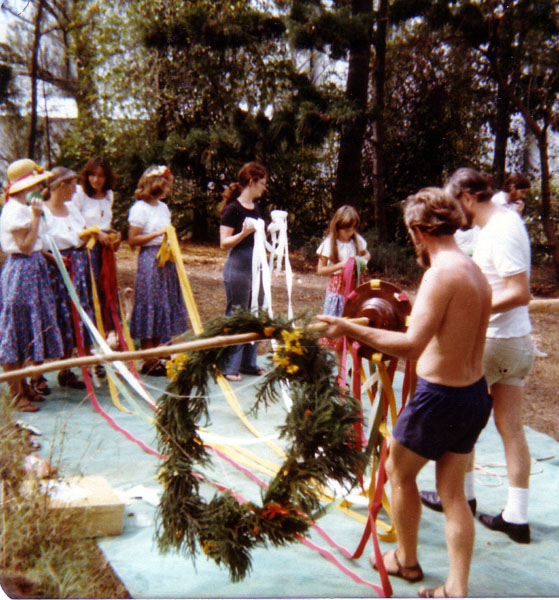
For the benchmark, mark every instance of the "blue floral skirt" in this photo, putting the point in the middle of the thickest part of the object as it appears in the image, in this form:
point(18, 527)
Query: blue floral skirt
point(28, 325)
point(159, 310)
point(79, 270)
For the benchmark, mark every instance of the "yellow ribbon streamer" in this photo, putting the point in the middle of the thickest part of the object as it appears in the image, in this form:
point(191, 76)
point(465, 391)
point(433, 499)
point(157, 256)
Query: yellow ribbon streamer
point(91, 233)
point(99, 320)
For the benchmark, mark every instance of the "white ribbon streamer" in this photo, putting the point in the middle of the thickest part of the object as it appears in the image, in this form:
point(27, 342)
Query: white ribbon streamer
point(260, 269)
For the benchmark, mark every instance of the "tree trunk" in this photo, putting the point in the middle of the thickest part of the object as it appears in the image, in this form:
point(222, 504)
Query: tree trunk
point(32, 140)
point(348, 188)
point(546, 201)
point(378, 126)
point(502, 129)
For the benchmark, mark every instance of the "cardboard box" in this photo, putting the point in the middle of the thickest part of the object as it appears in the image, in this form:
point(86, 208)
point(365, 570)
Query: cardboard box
point(104, 510)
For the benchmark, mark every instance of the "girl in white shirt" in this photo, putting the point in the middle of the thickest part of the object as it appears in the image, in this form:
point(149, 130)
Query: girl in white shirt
point(65, 225)
point(28, 329)
point(342, 243)
point(94, 200)
point(159, 312)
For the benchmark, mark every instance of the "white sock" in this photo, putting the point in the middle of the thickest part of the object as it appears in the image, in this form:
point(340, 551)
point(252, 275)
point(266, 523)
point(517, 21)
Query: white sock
point(469, 486)
point(516, 510)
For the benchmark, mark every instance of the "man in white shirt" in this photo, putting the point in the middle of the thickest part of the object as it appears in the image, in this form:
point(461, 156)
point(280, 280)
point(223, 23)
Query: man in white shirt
point(503, 253)
point(514, 190)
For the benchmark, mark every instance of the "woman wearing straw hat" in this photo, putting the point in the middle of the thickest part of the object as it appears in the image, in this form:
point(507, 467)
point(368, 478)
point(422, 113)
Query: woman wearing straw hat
point(28, 329)
point(65, 224)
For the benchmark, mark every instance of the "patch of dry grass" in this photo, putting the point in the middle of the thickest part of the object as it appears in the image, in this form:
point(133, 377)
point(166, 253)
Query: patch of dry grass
point(43, 553)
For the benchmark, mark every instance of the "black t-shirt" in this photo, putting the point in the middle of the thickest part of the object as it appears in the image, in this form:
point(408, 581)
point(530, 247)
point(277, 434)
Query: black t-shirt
point(234, 215)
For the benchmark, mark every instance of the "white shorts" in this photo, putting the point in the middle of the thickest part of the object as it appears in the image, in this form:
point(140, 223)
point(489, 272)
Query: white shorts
point(508, 360)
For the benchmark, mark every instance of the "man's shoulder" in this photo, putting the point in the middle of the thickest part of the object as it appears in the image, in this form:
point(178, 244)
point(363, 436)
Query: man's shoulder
point(454, 273)
point(505, 221)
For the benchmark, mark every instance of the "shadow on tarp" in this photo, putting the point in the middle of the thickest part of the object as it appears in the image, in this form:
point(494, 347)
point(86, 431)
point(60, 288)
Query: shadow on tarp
point(79, 441)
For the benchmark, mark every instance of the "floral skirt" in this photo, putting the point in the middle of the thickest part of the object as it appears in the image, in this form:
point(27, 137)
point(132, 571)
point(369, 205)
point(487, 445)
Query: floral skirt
point(334, 306)
point(159, 310)
point(80, 273)
point(28, 325)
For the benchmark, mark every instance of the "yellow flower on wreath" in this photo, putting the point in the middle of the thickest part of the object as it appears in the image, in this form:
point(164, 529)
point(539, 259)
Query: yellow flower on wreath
point(176, 365)
point(291, 341)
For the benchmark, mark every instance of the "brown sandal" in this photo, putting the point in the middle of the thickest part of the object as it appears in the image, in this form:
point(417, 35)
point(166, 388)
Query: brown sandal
point(21, 403)
point(31, 393)
point(401, 571)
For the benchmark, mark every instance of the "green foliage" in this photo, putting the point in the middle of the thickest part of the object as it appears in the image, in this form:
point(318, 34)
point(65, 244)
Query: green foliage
point(392, 261)
point(434, 122)
point(318, 430)
point(541, 252)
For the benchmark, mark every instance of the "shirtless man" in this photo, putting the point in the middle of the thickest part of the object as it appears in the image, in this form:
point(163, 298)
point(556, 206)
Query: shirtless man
point(451, 405)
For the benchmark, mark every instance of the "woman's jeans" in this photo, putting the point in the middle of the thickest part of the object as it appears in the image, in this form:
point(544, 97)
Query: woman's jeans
point(237, 277)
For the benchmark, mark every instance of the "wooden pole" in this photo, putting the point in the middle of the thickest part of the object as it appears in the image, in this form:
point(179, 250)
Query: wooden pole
point(203, 344)
point(547, 305)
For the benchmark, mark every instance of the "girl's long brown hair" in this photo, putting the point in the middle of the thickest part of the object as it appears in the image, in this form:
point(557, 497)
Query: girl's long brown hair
point(251, 171)
point(344, 216)
point(90, 167)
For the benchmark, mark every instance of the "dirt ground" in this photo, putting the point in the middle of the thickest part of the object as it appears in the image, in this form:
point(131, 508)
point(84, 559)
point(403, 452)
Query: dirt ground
point(204, 265)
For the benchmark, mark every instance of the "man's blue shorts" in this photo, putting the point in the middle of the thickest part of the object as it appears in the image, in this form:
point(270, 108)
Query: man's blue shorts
point(440, 418)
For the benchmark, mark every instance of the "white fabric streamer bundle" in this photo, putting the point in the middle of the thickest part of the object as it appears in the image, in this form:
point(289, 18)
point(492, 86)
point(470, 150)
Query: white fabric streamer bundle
point(279, 251)
point(260, 269)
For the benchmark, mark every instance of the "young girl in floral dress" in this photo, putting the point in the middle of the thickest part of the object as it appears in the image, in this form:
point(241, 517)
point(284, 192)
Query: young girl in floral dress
point(159, 312)
point(342, 243)
point(28, 329)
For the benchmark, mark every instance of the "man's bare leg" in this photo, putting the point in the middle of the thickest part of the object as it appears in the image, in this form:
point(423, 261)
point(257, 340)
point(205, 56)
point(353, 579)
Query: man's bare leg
point(402, 468)
point(459, 522)
point(507, 412)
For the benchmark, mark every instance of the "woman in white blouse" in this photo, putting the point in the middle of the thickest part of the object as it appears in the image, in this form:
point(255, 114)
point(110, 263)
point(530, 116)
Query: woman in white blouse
point(94, 200)
point(65, 225)
point(28, 330)
point(159, 312)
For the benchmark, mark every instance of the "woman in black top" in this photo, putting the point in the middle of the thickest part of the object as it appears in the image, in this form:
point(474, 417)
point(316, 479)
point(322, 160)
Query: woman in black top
point(236, 233)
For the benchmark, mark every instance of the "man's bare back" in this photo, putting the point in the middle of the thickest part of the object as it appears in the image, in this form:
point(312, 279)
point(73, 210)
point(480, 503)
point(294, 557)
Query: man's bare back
point(456, 292)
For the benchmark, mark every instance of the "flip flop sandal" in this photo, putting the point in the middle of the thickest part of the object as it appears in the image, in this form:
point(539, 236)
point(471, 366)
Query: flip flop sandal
point(402, 571)
point(21, 403)
point(233, 377)
point(258, 372)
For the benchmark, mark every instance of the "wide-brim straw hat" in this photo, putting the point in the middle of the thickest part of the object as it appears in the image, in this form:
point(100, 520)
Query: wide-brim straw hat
point(23, 174)
point(384, 304)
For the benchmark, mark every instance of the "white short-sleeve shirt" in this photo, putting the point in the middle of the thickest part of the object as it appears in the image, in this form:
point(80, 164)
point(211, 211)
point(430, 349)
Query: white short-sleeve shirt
point(16, 216)
point(345, 249)
point(94, 211)
point(65, 231)
point(503, 250)
point(150, 218)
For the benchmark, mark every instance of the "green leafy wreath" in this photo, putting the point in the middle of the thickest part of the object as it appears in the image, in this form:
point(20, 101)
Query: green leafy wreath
point(319, 431)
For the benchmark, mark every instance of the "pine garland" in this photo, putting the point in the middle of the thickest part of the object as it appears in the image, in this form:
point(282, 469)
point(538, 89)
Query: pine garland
point(318, 431)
